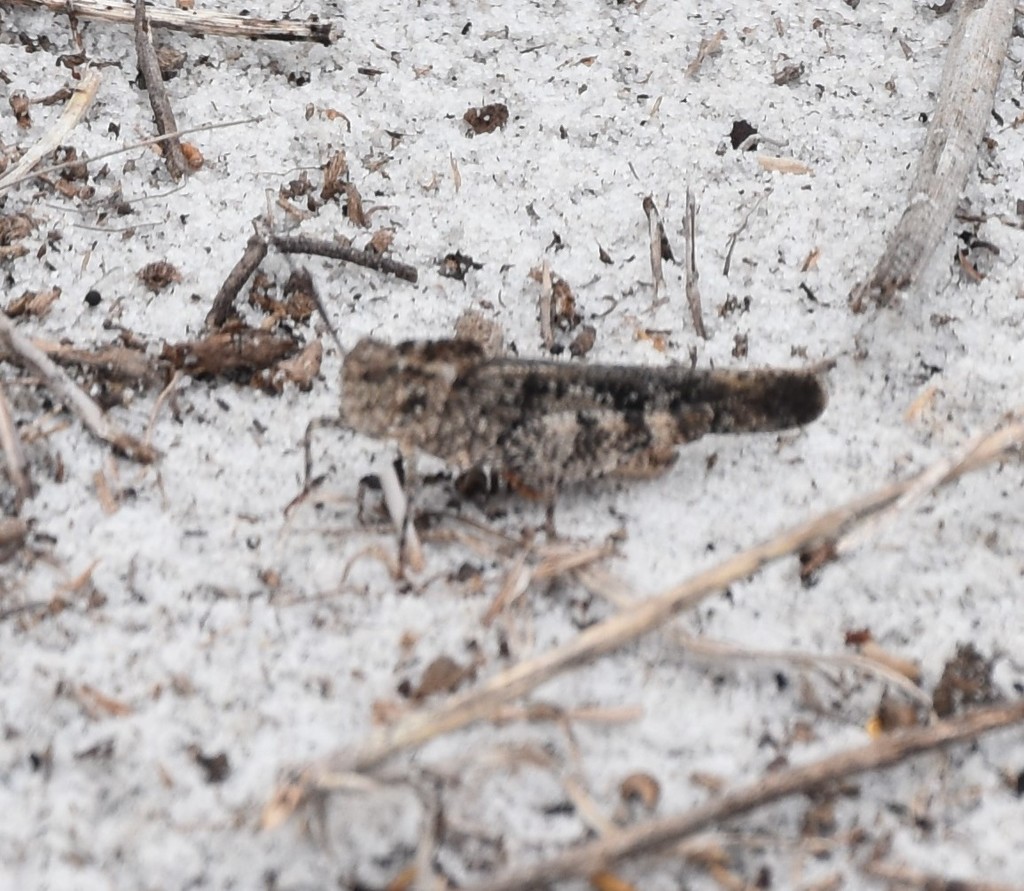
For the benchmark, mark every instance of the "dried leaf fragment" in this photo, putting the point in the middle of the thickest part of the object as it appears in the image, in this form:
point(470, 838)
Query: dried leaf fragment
point(300, 370)
point(456, 266)
point(354, 207)
point(709, 46)
point(159, 275)
point(97, 703)
point(605, 880)
point(381, 241)
point(19, 105)
point(32, 303)
point(487, 118)
point(642, 788)
point(14, 227)
point(443, 675)
point(583, 342)
point(193, 157)
point(782, 165)
point(966, 681)
point(335, 176)
point(216, 768)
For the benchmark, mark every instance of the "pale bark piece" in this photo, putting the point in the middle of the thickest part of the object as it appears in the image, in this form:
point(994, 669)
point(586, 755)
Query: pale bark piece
point(73, 112)
point(974, 61)
point(197, 22)
point(14, 345)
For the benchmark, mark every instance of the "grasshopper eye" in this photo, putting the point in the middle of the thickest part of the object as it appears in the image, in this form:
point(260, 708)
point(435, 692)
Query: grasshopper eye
point(414, 403)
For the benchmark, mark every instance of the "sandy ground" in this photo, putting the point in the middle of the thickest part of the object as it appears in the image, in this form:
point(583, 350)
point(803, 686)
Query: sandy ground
point(199, 620)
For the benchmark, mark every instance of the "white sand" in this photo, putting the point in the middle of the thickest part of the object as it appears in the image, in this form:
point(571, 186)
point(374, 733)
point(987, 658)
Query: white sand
point(184, 629)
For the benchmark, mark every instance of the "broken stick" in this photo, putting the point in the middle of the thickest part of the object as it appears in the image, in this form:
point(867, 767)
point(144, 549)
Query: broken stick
point(654, 835)
point(974, 60)
point(20, 348)
point(196, 22)
point(692, 275)
point(73, 112)
point(149, 68)
point(298, 244)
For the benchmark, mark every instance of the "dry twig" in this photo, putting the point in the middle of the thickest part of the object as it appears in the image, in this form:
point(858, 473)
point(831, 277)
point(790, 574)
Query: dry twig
point(648, 615)
point(255, 252)
point(605, 585)
point(658, 246)
point(149, 68)
point(974, 60)
point(197, 22)
point(653, 835)
point(906, 878)
point(546, 302)
point(24, 351)
point(17, 466)
point(298, 244)
point(692, 276)
point(56, 168)
point(73, 112)
point(735, 234)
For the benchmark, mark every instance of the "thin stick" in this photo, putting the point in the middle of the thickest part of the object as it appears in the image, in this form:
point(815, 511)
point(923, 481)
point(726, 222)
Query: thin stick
point(692, 276)
point(734, 236)
point(255, 251)
point(409, 548)
point(547, 332)
point(605, 585)
point(68, 392)
point(704, 648)
point(904, 877)
point(974, 60)
point(197, 22)
point(10, 442)
point(604, 637)
point(658, 242)
point(653, 835)
point(149, 68)
point(56, 168)
point(297, 244)
point(73, 112)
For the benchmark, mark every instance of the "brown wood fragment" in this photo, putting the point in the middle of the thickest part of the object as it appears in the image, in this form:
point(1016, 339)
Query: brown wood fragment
point(114, 362)
point(335, 176)
point(149, 69)
point(297, 244)
point(230, 350)
point(255, 251)
point(692, 275)
point(13, 534)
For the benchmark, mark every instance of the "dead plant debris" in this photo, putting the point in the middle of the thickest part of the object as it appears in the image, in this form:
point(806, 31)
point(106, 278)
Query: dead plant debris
point(487, 118)
point(159, 275)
